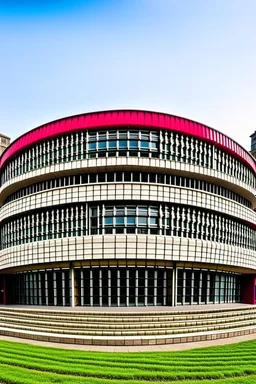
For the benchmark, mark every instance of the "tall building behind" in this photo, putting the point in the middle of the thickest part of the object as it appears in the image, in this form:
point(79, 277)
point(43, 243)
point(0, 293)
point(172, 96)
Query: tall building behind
point(4, 142)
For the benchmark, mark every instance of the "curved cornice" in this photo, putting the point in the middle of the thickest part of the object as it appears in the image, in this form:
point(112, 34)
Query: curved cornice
point(131, 118)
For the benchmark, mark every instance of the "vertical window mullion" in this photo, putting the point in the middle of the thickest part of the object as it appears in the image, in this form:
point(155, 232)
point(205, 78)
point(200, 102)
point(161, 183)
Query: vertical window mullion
point(100, 287)
point(82, 286)
point(63, 288)
point(155, 287)
point(46, 289)
point(54, 288)
point(118, 287)
point(165, 288)
point(109, 287)
point(146, 288)
point(91, 287)
point(127, 287)
point(136, 286)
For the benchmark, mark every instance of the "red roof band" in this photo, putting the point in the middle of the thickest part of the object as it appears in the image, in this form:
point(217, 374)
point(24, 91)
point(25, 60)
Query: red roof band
point(130, 118)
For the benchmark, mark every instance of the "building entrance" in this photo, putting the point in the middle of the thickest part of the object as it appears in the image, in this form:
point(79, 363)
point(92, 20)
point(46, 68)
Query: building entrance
point(123, 286)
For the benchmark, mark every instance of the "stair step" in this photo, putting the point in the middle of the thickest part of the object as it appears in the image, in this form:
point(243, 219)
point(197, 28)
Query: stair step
point(138, 319)
point(116, 325)
point(134, 332)
point(131, 313)
point(115, 328)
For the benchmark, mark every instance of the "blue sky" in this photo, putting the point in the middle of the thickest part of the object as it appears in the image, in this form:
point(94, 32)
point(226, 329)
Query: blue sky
point(195, 59)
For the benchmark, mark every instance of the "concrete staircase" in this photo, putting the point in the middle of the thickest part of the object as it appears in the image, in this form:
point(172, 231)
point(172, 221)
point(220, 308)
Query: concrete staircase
point(128, 328)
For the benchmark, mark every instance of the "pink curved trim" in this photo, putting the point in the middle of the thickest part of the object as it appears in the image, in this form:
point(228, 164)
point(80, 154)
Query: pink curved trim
point(133, 119)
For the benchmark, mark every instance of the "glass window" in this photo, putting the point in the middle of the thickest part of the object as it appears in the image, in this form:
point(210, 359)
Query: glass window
point(102, 145)
point(112, 144)
point(108, 220)
point(110, 177)
point(131, 211)
point(102, 135)
point(120, 211)
point(112, 134)
point(142, 221)
point(127, 176)
point(136, 176)
point(92, 136)
point(101, 177)
point(109, 211)
point(93, 178)
point(134, 134)
point(153, 221)
point(144, 144)
point(152, 177)
point(154, 211)
point(92, 146)
point(144, 135)
point(119, 220)
point(144, 177)
point(123, 144)
point(123, 134)
point(119, 176)
point(94, 211)
point(130, 220)
point(143, 211)
point(134, 144)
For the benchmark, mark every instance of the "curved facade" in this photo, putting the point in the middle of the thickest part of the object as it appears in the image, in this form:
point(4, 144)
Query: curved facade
point(127, 208)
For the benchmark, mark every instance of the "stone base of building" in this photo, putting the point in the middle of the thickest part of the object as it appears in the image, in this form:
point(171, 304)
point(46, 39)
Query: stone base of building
point(128, 328)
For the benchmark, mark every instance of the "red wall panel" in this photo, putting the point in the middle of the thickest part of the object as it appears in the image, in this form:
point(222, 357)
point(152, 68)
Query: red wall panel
point(133, 119)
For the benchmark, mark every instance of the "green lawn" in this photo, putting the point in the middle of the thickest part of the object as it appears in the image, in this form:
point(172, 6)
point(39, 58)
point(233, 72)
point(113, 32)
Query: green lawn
point(229, 364)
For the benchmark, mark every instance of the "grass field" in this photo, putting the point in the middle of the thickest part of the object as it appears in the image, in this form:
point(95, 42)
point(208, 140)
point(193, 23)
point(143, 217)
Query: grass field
point(228, 364)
